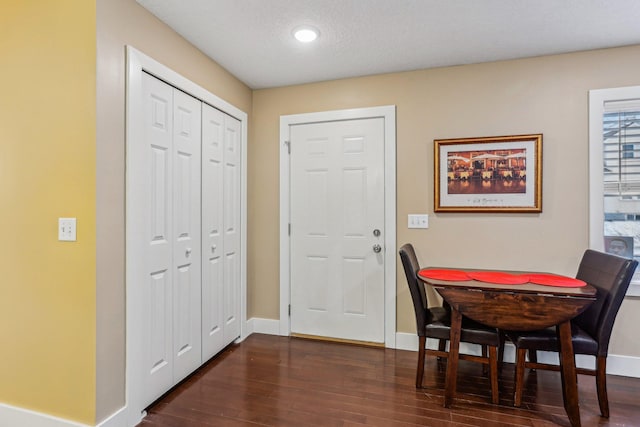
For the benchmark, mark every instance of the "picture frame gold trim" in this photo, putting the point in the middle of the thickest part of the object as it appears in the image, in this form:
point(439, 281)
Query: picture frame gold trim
point(500, 174)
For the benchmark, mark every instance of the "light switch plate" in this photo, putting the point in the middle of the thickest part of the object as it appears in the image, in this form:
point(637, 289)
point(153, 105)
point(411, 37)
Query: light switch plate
point(67, 229)
point(418, 221)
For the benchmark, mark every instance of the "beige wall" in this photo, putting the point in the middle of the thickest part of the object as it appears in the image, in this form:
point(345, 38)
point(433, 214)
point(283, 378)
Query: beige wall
point(547, 95)
point(120, 23)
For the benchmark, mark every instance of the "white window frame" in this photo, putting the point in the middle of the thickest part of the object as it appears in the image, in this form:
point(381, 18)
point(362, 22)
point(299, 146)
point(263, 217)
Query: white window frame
point(597, 100)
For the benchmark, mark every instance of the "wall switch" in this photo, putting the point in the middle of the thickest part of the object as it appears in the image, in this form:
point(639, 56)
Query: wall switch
point(418, 221)
point(67, 229)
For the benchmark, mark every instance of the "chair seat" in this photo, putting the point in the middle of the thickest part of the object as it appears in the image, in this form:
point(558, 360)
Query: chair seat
point(590, 330)
point(435, 322)
point(547, 340)
point(471, 332)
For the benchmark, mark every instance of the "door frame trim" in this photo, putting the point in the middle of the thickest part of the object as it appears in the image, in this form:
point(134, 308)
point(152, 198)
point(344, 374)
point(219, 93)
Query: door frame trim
point(388, 113)
point(137, 63)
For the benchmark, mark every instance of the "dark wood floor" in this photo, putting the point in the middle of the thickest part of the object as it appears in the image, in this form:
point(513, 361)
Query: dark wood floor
point(279, 381)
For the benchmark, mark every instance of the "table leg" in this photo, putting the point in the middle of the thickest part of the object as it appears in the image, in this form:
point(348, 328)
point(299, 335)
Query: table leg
point(568, 374)
point(452, 360)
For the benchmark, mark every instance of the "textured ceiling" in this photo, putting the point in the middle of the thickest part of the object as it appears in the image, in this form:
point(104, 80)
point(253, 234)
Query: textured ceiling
point(253, 38)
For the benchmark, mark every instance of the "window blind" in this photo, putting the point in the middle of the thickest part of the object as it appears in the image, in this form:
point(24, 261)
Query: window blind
point(621, 149)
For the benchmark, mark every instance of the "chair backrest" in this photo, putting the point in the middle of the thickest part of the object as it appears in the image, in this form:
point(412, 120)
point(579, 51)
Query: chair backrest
point(418, 295)
point(611, 275)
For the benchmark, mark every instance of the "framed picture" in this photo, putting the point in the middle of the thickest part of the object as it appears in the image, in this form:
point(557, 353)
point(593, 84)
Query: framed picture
point(492, 174)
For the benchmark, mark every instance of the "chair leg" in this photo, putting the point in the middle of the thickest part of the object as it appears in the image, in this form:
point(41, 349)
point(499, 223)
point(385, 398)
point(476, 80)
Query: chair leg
point(519, 380)
point(533, 356)
point(502, 338)
point(442, 346)
point(420, 369)
point(601, 385)
point(484, 354)
point(493, 374)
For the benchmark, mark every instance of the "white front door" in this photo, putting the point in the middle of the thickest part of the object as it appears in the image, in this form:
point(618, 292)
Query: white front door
point(337, 229)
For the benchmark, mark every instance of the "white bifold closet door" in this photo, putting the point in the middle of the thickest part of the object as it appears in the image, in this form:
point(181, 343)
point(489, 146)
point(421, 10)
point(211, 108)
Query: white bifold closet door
point(185, 183)
point(191, 208)
point(220, 230)
point(172, 291)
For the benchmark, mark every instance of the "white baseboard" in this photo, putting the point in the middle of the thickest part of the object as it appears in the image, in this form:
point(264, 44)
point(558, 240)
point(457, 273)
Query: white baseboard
point(12, 416)
point(405, 341)
point(633, 290)
point(626, 366)
point(117, 419)
point(263, 326)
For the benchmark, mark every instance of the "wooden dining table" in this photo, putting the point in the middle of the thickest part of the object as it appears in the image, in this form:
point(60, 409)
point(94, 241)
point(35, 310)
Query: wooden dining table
point(516, 307)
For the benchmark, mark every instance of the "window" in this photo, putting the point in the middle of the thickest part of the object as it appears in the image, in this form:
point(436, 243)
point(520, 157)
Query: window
point(614, 168)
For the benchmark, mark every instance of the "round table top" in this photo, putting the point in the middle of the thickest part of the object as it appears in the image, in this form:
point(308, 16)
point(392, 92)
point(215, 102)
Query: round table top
point(528, 287)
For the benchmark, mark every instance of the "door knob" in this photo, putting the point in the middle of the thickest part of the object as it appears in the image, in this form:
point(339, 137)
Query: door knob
point(376, 232)
point(377, 248)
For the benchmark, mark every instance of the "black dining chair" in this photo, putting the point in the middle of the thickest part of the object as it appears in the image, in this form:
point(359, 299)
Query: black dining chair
point(435, 323)
point(590, 330)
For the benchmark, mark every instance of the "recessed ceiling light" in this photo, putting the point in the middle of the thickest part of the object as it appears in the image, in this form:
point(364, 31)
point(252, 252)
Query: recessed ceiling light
point(305, 34)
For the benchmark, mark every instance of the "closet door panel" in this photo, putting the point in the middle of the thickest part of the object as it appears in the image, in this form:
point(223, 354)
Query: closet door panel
point(183, 236)
point(231, 221)
point(186, 234)
point(156, 207)
point(212, 231)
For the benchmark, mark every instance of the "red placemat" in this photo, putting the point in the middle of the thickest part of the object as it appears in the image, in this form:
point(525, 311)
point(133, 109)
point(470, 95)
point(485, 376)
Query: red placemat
point(499, 277)
point(444, 274)
point(555, 280)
